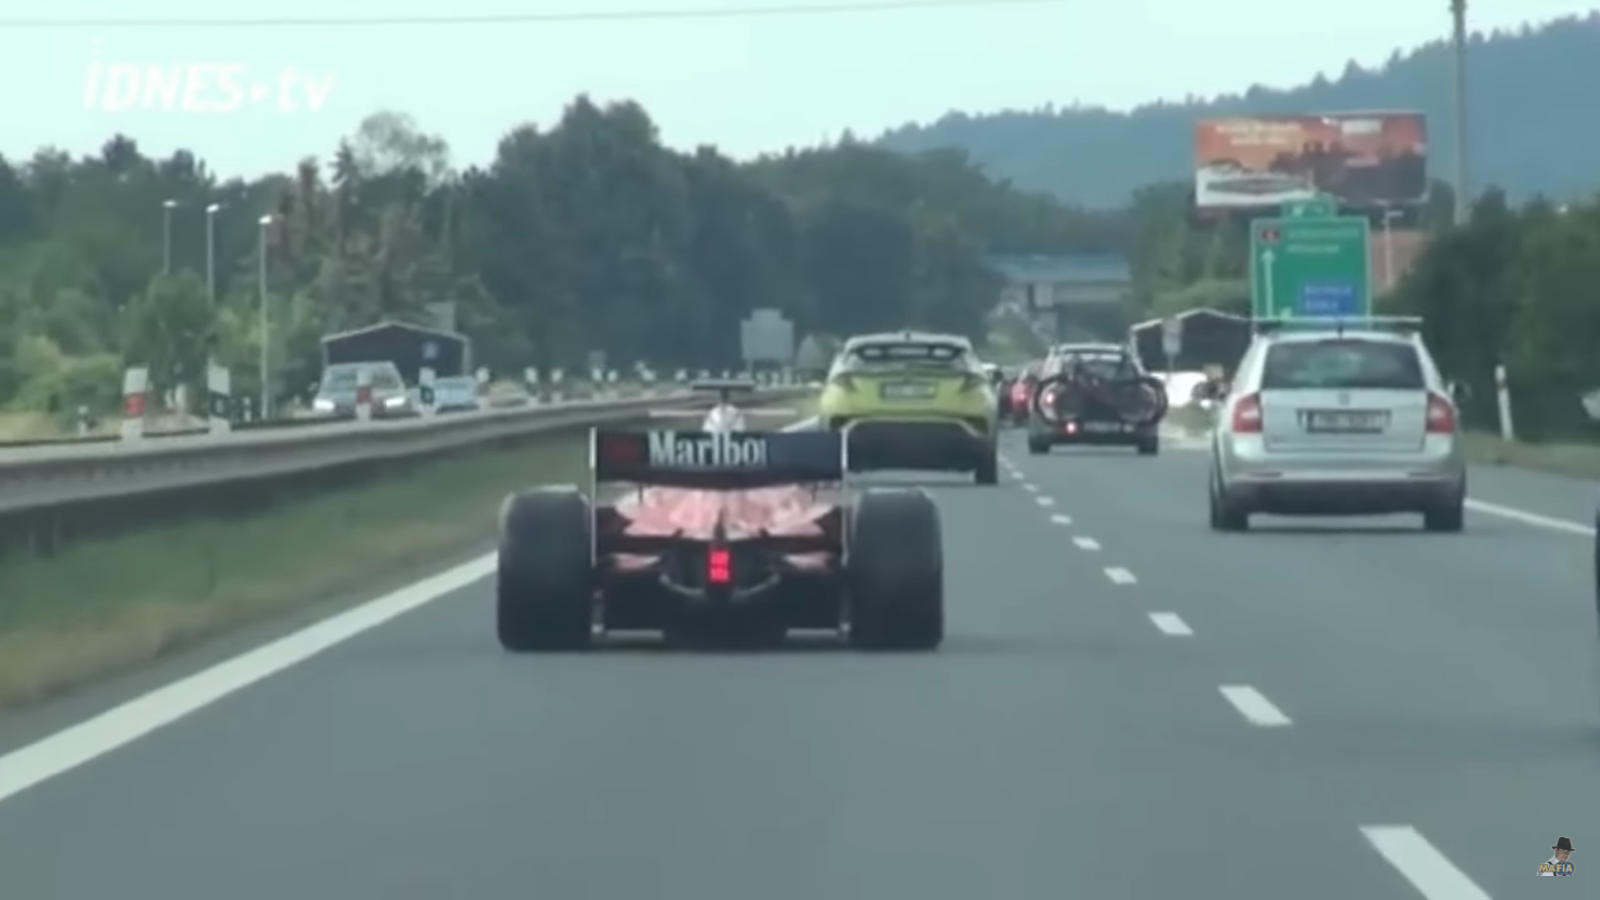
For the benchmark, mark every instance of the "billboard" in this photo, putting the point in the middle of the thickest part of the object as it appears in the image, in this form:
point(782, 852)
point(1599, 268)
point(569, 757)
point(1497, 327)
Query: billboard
point(1363, 160)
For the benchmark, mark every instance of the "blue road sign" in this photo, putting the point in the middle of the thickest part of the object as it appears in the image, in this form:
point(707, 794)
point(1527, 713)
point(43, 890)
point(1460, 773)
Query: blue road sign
point(1329, 298)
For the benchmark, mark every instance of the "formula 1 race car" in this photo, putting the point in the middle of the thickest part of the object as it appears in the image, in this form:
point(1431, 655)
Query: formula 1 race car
point(724, 537)
point(1093, 394)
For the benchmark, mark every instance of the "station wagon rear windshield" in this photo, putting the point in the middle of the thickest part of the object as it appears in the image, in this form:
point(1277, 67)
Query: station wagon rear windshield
point(903, 355)
point(1343, 364)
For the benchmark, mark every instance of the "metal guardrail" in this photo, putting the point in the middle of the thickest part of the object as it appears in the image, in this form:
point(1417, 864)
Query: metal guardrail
point(40, 477)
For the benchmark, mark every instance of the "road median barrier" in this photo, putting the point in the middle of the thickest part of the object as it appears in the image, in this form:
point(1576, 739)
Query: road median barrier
point(53, 496)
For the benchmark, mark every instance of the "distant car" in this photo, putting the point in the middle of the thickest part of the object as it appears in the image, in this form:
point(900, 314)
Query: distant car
point(913, 400)
point(1338, 418)
point(1017, 393)
point(338, 390)
point(726, 537)
point(1095, 395)
point(457, 393)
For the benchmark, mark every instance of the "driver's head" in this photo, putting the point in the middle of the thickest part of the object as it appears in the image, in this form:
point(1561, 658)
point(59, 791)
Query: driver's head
point(724, 417)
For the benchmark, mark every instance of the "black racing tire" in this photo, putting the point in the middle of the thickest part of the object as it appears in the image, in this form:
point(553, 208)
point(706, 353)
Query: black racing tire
point(894, 571)
point(544, 595)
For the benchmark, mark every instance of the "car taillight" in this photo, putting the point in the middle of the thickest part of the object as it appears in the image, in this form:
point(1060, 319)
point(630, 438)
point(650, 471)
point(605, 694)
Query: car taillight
point(1048, 398)
point(719, 566)
point(1247, 415)
point(843, 381)
point(1441, 415)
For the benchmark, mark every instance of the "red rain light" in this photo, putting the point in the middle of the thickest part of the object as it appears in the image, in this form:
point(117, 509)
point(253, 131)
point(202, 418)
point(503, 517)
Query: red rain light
point(719, 566)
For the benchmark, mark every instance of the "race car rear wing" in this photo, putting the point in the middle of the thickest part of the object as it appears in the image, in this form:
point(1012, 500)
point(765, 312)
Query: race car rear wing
point(717, 461)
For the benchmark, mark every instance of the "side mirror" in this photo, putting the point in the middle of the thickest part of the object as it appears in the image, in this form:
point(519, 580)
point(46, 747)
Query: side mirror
point(1459, 392)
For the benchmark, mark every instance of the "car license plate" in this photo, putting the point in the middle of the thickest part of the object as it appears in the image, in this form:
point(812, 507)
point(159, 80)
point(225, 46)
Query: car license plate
point(1104, 427)
point(908, 390)
point(1343, 421)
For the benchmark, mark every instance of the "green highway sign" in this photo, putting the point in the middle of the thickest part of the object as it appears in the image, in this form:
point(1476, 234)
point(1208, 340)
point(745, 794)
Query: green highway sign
point(1312, 266)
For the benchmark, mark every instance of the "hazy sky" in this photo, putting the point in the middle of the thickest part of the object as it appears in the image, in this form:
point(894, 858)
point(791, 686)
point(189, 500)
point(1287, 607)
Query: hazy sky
point(747, 84)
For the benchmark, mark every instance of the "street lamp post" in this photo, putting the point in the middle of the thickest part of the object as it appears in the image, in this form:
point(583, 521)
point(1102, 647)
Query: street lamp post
point(1463, 173)
point(211, 250)
point(167, 206)
point(261, 286)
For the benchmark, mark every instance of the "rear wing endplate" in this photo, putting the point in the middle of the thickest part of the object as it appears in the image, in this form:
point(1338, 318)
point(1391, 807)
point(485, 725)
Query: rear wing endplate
point(1339, 325)
point(717, 461)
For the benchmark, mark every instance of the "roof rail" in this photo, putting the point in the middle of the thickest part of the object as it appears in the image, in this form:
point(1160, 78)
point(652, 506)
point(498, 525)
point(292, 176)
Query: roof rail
point(1339, 325)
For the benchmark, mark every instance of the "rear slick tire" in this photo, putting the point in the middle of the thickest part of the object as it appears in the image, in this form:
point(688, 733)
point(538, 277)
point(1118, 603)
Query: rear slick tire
point(544, 591)
point(895, 572)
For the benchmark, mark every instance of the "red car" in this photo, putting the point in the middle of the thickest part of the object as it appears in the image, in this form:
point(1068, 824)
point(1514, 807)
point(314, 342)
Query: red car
point(1019, 394)
point(720, 536)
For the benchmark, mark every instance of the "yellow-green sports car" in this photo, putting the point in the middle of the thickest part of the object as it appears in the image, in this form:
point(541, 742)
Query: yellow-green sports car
point(910, 400)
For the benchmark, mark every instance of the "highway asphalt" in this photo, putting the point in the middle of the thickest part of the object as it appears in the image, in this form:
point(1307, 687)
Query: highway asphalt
point(1128, 706)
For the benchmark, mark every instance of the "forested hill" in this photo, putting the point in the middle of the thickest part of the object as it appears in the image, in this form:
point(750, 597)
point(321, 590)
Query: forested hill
point(1531, 113)
point(587, 235)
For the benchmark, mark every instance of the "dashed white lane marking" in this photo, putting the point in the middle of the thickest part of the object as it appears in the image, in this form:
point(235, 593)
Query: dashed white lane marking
point(1045, 501)
point(1030, 488)
point(1060, 519)
point(1086, 543)
point(1256, 709)
point(1119, 575)
point(1429, 871)
point(1170, 624)
point(1528, 518)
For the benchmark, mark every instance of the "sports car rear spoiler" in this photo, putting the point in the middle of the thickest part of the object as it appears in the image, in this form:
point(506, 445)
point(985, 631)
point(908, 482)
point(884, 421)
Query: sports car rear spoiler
point(720, 461)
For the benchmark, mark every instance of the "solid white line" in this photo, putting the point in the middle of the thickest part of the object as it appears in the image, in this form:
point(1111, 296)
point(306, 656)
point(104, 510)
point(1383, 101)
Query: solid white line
point(1045, 501)
point(1528, 518)
point(72, 747)
point(1086, 543)
point(1256, 709)
point(1429, 871)
point(1030, 488)
point(1120, 575)
point(1169, 623)
point(1060, 519)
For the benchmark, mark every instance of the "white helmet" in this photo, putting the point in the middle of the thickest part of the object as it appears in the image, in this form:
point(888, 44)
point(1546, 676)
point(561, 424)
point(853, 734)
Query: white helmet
point(724, 417)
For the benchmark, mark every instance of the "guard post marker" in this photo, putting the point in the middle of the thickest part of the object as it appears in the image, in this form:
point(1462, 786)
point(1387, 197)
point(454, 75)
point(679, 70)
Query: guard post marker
point(219, 398)
point(364, 395)
point(427, 396)
point(135, 388)
point(481, 379)
point(530, 378)
point(1502, 393)
point(554, 394)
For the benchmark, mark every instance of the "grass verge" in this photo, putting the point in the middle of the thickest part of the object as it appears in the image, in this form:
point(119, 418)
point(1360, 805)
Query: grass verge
point(105, 607)
point(1578, 460)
